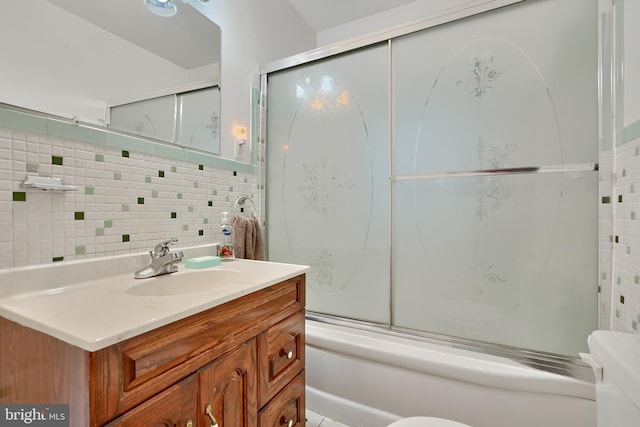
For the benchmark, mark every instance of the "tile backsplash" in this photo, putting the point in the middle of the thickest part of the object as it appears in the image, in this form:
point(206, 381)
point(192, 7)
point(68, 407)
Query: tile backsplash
point(623, 296)
point(126, 201)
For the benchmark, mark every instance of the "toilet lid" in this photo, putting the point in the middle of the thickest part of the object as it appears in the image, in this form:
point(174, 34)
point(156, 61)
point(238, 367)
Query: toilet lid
point(426, 422)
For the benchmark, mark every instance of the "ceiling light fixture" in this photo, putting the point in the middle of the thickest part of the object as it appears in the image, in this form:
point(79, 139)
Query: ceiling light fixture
point(166, 8)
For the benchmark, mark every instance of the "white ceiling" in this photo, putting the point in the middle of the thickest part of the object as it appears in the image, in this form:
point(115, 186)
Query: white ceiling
point(130, 20)
point(321, 15)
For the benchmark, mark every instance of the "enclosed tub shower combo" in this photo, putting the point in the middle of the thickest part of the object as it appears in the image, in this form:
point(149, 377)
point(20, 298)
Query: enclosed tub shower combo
point(441, 181)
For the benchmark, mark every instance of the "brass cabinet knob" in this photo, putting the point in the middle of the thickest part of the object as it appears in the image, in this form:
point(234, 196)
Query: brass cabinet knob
point(209, 411)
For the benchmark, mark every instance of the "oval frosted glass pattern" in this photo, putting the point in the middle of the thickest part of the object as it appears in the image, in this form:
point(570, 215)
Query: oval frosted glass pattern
point(504, 114)
point(326, 184)
point(328, 202)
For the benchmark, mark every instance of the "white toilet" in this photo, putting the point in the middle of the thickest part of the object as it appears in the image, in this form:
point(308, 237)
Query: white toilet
point(426, 422)
point(615, 360)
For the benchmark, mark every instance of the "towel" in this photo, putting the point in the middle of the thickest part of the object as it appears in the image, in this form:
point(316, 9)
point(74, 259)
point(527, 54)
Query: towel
point(247, 239)
point(258, 244)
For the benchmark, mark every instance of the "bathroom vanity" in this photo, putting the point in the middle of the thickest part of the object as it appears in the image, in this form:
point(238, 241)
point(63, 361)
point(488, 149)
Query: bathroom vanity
point(237, 360)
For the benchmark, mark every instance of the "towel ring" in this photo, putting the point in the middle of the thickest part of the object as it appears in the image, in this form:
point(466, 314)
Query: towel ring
point(240, 201)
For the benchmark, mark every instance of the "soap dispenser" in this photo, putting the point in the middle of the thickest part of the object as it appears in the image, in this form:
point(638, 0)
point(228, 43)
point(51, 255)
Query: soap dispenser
point(225, 248)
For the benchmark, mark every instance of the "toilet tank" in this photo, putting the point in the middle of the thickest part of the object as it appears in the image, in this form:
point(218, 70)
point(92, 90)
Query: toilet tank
point(616, 360)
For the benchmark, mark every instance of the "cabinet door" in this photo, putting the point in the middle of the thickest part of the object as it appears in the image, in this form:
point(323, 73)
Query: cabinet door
point(228, 393)
point(176, 406)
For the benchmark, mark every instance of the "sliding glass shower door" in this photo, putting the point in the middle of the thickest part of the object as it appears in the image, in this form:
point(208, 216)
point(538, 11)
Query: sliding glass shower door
point(446, 181)
point(327, 178)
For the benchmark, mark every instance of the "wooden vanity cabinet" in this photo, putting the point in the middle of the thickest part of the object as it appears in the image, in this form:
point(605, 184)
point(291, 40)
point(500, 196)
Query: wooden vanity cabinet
point(240, 364)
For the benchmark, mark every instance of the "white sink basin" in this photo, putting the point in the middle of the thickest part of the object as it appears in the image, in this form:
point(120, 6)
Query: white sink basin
point(188, 282)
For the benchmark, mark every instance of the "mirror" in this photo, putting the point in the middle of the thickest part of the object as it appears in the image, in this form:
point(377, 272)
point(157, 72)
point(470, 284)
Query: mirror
point(76, 58)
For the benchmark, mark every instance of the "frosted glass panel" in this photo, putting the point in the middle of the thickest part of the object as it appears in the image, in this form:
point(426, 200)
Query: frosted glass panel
point(327, 175)
point(631, 60)
point(153, 117)
point(199, 119)
point(510, 259)
point(494, 91)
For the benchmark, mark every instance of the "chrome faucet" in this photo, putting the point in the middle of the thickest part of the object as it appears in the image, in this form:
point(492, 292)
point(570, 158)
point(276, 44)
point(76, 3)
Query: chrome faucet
point(162, 261)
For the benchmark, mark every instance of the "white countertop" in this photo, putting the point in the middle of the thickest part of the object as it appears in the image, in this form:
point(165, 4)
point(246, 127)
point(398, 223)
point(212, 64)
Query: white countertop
point(96, 313)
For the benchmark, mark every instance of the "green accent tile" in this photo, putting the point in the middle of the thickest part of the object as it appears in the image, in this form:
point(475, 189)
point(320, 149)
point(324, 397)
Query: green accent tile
point(210, 203)
point(147, 179)
point(624, 172)
point(56, 160)
point(154, 194)
point(196, 185)
point(618, 280)
point(108, 223)
point(618, 314)
point(125, 238)
point(632, 188)
point(606, 199)
point(200, 232)
point(141, 200)
point(75, 132)
point(79, 216)
point(599, 289)
point(636, 279)
point(32, 167)
point(171, 152)
point(616, 239)
point(628, 250)
point(205, 221)
point(161, 174)
point(174, 169)
point(231, 188)
point(201, 167)
point(100, 231)
point(125, 153)
point(117, 176)
point(57, 259)
point(620, 198)
point(246, 180)
point(185, 227)
point(89, 190)
point(22, 121)
point(125, 207)
point(235, 173)
point(621, 299)
point(81, 250)
point(99, 157)
point(634, 325)
point(190, 208)
point(174, 215)
point(633, 215)
point(179, 195)
point(603, 276)
point(19, 196)
point(215, 192)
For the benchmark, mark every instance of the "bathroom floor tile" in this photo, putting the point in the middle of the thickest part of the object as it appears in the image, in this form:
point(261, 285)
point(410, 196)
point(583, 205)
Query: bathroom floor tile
point(317, 420)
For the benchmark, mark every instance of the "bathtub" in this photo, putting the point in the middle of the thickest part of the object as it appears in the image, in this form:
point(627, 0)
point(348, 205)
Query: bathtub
point(364, 378)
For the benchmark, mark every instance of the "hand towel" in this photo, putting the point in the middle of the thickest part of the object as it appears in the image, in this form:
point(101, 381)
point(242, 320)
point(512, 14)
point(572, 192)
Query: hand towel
point(258, 244)
point(247, 239)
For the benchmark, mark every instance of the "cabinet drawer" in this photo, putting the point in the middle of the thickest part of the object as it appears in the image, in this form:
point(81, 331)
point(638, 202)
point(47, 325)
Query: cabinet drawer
point(287, 409)
point(176, 406)
point(280, 356)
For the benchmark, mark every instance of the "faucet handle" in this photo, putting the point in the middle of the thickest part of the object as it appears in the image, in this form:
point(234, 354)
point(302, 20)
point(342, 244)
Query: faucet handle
point(162, 248)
